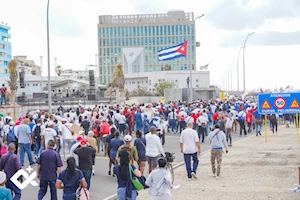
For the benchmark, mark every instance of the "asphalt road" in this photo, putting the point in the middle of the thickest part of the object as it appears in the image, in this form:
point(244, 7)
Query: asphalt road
point(103, 185)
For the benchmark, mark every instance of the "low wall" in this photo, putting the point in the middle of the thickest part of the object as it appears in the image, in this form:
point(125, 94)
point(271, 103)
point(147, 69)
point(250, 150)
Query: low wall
point(184, 94)
point(141, 100)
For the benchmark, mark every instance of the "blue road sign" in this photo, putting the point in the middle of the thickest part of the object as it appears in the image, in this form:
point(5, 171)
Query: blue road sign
point(272, 103)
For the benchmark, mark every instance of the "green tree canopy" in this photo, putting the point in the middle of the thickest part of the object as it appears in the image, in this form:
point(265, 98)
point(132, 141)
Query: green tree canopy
point(160, 87)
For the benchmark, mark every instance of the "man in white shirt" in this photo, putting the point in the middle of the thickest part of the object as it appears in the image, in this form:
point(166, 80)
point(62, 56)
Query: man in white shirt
point(66, 134)
point(172, 120)
point(49, 134)
point(202, 124)
point(190, 147)
point(242, 120)
point(153, 149)
point(218, 141)
point(228, 128)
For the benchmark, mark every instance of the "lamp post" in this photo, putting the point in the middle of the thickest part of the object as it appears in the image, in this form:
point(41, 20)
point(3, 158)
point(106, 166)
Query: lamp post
point(238, 70)
point(48, 51)
point(230, 74)
point(191, 76)
point(244, 77)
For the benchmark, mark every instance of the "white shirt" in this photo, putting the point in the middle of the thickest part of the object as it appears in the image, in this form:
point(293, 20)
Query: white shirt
point(72, 154)
point(189, 137)
point(234, 114)
point(121, 119)
point(154, 147)
point(189, 119)
point(201, 119)
point(217, 141)
point(182, 113)
point(172, 115)
point(213, 108)
point(49, 134)
point(242, 114)
point(229, 122)
point(66, 133)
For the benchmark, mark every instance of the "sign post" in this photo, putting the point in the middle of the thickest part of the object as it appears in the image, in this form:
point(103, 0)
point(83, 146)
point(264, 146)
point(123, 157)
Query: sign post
point(266, 129)
point(279, 103)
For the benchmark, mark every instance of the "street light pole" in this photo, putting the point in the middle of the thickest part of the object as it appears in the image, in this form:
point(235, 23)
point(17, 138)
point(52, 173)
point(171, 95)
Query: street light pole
point(191, 74)
point(48, 50)
point(244, 76)
point(238, 70)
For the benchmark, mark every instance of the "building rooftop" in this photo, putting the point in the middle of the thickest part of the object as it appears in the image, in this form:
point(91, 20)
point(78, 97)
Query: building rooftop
point(4, 26)
point(170, 16)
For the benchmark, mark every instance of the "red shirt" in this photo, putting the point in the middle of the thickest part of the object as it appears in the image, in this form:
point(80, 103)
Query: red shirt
point(195, 118)
point(249, 117)
point(215, 116)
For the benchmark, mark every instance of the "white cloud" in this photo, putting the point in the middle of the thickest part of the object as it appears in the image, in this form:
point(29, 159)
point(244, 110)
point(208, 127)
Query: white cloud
point(74, 36)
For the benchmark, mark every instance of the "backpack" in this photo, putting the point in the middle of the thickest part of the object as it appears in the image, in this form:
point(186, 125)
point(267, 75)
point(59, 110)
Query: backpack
point(241, 119)
point(2, 91)
point(182, 118)
point(96, 129)
point(80, 119)
point(128, 149)
point(127, 118)
point(37, 133)
point(82, 194)
point(11, 135)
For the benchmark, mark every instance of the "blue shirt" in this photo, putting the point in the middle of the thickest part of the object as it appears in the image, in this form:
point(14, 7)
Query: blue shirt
point(115, 143)
point(71, 182)
point(123, 183)
point(256, 115)
point(140, 144)
point(138, 118)
point(22, 132)
point(49, 160)
point(5, 193)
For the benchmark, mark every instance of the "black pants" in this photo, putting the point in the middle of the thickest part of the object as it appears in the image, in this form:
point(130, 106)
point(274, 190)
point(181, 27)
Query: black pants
point(242, 127)
point(274, 126)
point(201, 132)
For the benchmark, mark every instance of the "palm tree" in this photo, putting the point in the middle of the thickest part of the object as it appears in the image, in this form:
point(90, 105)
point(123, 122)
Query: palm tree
point(118, 82)
point(58, 70)
point(12, 81)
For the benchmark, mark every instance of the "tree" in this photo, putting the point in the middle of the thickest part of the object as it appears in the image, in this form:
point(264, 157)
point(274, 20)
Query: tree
point(167, 67)
point(127, 94)
point(12, 81)
point(58, 70)
point(118, 82)
point(160, 87)
point(140, 91)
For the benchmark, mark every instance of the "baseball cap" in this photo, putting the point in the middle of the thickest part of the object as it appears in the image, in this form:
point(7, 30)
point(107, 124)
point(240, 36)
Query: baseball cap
point(128, 138)
point(11, 123)
point(79, 138)
point(2, 177)
point(64, 120)
point(51, 123)
point(83, 142)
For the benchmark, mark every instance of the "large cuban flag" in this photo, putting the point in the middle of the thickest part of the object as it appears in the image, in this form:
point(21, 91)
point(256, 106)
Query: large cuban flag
point(173, 52)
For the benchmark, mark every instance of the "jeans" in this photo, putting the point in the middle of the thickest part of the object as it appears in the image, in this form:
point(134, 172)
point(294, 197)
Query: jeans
point(14, 189)
point(173, 125)
point(201, 132)
point(182, 126)
point(66, 142)
point(122, 129)
point(87, 175)
point(228, 135)
point(187, 160)
point(122, 194)
point(242, 127)
point(25, 148)
point(274, 126)
point(37, 148)
point(59, 145)
point(249, 127)
point(43, 189)
point(3, 100)
point(70, 196)
point(258, 128)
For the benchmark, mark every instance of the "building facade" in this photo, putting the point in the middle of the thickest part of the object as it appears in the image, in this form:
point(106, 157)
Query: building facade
point(5, 49)
point(27, 66)
point(147, 80)
point(134, 41)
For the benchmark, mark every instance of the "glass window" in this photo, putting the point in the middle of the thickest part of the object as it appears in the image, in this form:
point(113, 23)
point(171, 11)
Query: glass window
point(188, 29)
point(130, 41)
point(161, 30)
point(153, 31)
point(127, 30)
point(169, 30)
point(146, 29)
point(119, 42)
point(127, 42)
point(142, 31)
point(130, 31)
point(115, 44)
point(173, 30)
point(165, 30)
point(180, 29)
point(104, 79)
point(184, 29)
point(176, 29)
point(123, 32)
point(119, 32)
point(101, 80)
point(142, 41)
point(134, 31)
point(138, 31)
point(157, 30)
point(134, 41)
point(110, 32)
point(123, 42)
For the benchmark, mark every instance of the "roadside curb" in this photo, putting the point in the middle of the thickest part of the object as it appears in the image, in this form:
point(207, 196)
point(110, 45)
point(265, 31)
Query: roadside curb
point(114, 196)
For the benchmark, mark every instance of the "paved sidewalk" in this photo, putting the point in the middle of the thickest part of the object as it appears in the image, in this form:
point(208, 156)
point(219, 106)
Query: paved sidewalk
point(252, 170)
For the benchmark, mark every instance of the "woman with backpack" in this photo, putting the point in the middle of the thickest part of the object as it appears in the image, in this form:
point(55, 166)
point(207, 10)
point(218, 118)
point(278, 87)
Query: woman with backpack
point(112, 148)
point(126, 189)
point(140, 145)
point(71, 179)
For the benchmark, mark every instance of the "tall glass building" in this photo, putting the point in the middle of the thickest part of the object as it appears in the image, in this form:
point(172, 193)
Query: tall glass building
point(152, 32)
point(5, 49)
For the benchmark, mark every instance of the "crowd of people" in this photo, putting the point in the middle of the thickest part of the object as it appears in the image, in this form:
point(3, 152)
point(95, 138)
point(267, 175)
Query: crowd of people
point(111, 130)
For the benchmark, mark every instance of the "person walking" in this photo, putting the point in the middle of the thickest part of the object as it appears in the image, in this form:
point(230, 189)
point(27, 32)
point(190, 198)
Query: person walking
point(66, 134)
point(11, 135)
point(104, 132)
point(86, 156)
point(242, 120)
point(36, 135)
point(10, 163)
point(258, 122)
point(217, 140)
point(138, 120)
point(4, 192)
point(273, 120)
point(190, 147)
point(228, 128)
point(172, 120)
point(93, 143)
point(3, 91)
point(128, 147)
point(126, 190)
point(113, 146)
point(23, 133)
point(140, 145)
point(153, 149)
point(49, 164)
point(74, 147)
point(70, 178)
point(159, 181)
point(85, 124)
point(202, 123)
point(49, 134)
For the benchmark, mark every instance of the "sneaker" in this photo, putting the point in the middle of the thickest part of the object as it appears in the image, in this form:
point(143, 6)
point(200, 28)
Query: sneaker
point(109, 173)
point(230, 145)
point(214, 174)
point(217, 177)
point(35, 157)
point(189, 179)
point(93, 172)
point(194, 175)
point(33, 163)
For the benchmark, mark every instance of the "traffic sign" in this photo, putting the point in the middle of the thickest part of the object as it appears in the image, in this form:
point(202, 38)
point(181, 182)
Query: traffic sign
point(272, 103)
point(280, 103)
